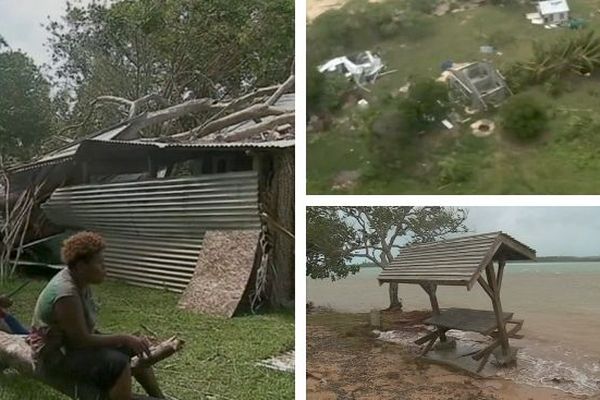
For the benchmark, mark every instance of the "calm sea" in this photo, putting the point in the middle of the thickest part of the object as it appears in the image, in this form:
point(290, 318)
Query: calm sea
point(560, 303)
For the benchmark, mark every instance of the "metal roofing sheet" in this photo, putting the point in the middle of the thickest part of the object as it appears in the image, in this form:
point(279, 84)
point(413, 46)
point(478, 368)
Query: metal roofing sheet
point(455, 261)
point(154, 229)
point(202, 145)
point(71, 150)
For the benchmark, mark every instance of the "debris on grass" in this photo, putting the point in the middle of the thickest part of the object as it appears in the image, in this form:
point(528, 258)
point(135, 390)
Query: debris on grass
point(284, 362)
point(345, 180)
point(483, 127)
point(365, 67)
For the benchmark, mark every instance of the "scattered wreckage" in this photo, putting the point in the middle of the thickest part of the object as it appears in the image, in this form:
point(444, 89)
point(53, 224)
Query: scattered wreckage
point(477, 85)
point(362, 68)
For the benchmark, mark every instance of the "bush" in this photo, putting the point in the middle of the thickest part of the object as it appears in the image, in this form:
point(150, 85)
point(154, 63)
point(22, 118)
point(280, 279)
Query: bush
point(518, 77)
point(454, 170)
point(390, 143)
point(324, 93)
point(393, 129)
point(554, 86)
point(426, 105)
point(524, 117)
point(359, 26)
point(423, 6)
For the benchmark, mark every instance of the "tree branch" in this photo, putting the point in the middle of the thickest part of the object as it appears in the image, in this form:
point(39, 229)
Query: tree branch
point(283, 119)
point(370, 257)
point(280, 92)
point(252, 112)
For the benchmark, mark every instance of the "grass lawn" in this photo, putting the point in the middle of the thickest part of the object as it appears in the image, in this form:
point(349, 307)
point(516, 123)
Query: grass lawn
point(217, 362)
point(459, 163)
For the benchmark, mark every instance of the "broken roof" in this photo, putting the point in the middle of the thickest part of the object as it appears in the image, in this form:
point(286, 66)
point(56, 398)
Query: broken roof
point(456, 261)
point(285, 102)
point(553, 7)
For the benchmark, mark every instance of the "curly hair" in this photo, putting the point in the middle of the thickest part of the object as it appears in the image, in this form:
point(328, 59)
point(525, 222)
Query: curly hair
point(81, 246)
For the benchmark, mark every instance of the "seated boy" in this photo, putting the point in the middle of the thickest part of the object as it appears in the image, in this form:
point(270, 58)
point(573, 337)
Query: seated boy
point(8, 323)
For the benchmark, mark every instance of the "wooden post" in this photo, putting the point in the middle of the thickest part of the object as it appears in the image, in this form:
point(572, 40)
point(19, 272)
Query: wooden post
point(85, 172)
point(431, 288)
point(152, 167)
point(501, 264)
point(497, 307)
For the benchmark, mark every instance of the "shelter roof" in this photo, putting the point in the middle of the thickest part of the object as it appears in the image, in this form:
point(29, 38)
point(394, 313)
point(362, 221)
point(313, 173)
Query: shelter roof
point(457, 261)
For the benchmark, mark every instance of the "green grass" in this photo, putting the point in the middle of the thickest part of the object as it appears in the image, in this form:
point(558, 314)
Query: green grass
point(216, 363)
point(461, 163)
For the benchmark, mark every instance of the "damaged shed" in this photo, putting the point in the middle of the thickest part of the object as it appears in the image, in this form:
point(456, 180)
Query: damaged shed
point(156, 200)
point(478, 85)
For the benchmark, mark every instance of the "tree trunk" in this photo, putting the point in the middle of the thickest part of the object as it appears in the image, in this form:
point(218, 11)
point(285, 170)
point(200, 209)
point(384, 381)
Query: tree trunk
point(395, 303)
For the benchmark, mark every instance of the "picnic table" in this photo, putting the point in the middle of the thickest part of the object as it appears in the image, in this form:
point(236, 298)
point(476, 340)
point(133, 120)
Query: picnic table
point(463, 319)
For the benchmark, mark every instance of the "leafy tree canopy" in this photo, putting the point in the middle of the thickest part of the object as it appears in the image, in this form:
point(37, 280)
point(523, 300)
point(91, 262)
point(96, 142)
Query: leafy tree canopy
point(524, 117)
point(25, 105)
point(175, 48)
point(327, 249)
point(336, 235)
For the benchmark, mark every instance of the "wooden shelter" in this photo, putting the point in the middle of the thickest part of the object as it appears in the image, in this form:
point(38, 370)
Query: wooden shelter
point(464, 261)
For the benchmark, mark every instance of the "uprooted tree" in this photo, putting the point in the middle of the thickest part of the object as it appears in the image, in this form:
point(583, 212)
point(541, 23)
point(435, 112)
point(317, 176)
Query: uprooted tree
point(377, 233)
point(575, 54)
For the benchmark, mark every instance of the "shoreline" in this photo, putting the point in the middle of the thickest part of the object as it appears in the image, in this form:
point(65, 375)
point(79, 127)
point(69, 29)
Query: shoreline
point(345, 360)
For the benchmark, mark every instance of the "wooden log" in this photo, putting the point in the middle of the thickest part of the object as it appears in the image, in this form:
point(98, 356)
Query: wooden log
point(158, 353)
point(15, 353)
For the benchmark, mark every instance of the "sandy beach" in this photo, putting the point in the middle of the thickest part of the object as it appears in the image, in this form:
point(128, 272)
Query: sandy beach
point(558, 302)
point(345, 361)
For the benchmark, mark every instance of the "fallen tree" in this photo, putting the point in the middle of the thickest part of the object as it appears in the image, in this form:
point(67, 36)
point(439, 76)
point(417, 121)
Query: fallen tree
point(15, 353)
point(212, 116)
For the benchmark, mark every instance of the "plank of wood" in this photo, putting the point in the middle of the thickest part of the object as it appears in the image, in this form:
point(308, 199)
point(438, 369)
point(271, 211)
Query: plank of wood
point(467, 320)
point(425, 338)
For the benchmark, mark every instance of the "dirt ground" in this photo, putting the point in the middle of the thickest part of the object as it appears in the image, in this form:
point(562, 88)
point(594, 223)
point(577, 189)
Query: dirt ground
point(345, 362)
point(317, 7)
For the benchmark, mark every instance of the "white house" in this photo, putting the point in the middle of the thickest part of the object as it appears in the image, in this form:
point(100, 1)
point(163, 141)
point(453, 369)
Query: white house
point(554, 11)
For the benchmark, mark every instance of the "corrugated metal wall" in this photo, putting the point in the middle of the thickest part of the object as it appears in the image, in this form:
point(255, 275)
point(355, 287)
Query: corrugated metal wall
point(154, 229)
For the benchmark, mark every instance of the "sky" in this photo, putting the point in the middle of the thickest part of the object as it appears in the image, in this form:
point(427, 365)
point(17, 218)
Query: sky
point(552, 231)
point(20, 24)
